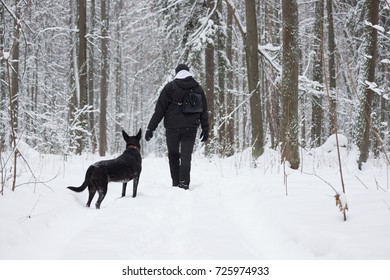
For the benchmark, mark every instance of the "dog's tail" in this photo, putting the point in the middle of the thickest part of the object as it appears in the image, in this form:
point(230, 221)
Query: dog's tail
point(86, 181)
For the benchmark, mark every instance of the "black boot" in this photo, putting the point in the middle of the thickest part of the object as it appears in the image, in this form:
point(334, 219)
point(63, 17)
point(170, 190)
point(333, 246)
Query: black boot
point(183, 185)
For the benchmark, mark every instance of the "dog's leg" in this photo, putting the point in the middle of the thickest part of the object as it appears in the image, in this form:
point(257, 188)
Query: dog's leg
point(102, 193)
point(135, 185)
point(124, 189)
point(92, 191)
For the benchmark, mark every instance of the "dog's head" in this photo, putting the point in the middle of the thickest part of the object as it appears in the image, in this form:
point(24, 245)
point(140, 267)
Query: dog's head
point(132, 141)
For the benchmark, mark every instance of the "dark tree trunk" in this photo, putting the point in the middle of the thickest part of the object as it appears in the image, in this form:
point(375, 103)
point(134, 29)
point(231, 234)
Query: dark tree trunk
point(370, 52)
point(317, 110)
point(82, 74)
point(104, 80)
point(252, 64)
point(332, 67)
point(290, 64)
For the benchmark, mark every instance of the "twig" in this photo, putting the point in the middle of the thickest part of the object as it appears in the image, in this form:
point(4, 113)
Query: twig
point(339, 203)
point(2, 175)
point(313, 174)
point(36, 179)
point(40, 182)
point(32, 210)
point(388, 206)
point(285, 176)
point(361, 182)
point(378, 186)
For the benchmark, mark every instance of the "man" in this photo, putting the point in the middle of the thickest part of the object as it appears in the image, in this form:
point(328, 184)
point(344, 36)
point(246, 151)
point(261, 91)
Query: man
point(181, 128)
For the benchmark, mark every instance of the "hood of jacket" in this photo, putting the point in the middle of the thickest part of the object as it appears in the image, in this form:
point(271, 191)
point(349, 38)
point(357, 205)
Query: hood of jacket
point(185, 80)
point(186, 83)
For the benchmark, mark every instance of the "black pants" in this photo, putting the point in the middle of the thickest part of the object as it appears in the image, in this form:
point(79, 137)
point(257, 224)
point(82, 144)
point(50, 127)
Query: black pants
point(180, 142)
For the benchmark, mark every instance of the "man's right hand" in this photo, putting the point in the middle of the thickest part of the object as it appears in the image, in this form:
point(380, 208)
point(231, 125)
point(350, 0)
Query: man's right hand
point(148, 135)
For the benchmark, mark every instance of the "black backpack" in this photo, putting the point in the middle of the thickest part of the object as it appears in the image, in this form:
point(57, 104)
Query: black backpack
point(192, 101)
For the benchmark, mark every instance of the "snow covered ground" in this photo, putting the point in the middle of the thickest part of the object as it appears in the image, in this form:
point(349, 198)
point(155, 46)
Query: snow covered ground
point(232, 211)
point(235, 210)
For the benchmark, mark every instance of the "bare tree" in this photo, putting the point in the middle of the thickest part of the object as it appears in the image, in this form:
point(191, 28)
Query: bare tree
point(332, 66)
point(15, 66)
point(3, 92)
point(229, 96)
point(221, 89)
point(368, 78)
point(104, 79)
point(317, 109)
point(290, 64)
point(91, 75)
point(252, 64)
point(82, 73)
point(118, 75)
point(210, 81)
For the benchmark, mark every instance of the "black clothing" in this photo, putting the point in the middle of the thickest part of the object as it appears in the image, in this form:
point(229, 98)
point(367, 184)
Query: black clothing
point(204, 135)
point(181, 67)
point(148, 135)
point(171, 112)
point(181, 128)
point(180, 142)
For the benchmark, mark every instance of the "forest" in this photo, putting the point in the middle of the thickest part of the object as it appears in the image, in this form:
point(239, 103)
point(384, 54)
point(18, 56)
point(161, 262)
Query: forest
point(281, 74)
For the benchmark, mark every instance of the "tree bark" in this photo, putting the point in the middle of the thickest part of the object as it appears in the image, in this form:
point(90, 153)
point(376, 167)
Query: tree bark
point(332, 67)
point(252, 64)
point(104, 79)
point(118, 79)
point(366, 95)
point(229, 84)
point(82, 74)
point(91, 75)
point(210, 88)
point(3, 88)
point(317, 109)
point(15, 68)
point(290, 64)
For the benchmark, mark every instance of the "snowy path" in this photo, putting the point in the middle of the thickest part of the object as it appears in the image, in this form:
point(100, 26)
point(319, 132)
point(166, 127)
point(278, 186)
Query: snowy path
point(162, 222)
point(228, 213)
point(206, 222)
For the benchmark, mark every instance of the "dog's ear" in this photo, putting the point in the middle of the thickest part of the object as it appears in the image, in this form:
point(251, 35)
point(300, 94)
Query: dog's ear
point(125, 136)
point(139, 134)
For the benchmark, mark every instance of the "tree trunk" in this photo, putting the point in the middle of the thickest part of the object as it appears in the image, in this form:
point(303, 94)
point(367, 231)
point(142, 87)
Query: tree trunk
point(104, 80)
point(366, 95)
point(229, 85)
point(317, 110)
point(118, 80)
point(82, 74)
point(252, 64)
point(15, 68)
point(73, 84)
point(3, 88)
point(290, 64)
point(91, 75)
point(221, 58)
point(332, 67)
point(210, 89)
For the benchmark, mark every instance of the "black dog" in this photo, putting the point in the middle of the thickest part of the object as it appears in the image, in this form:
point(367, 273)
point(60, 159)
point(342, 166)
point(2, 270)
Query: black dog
point(124, 168)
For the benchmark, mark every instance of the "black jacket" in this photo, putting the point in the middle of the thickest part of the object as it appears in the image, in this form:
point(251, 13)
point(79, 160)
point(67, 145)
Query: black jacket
point(168, 109)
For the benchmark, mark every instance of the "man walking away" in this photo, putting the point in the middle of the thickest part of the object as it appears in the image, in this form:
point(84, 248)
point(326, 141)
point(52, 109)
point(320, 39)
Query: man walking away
point(181, 124)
